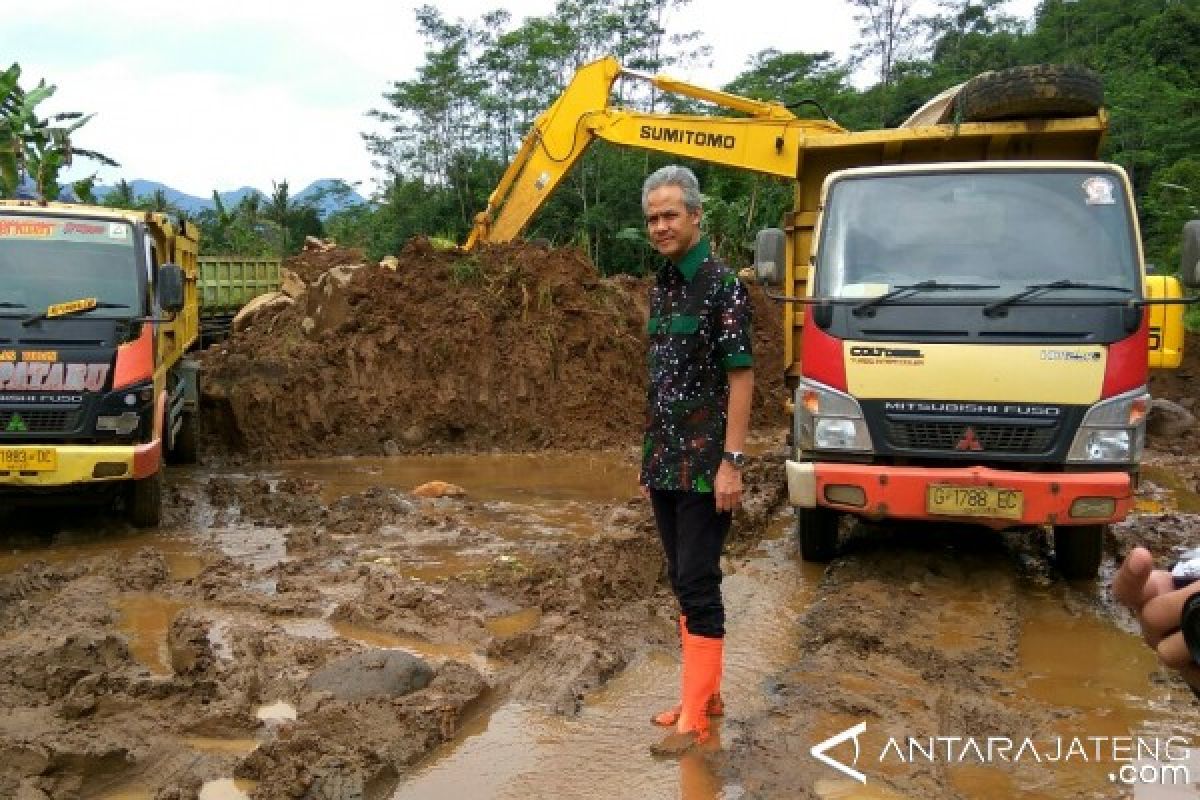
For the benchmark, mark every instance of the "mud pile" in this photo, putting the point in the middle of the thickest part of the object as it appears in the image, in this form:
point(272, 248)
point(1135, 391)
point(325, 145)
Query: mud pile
point(516, 346)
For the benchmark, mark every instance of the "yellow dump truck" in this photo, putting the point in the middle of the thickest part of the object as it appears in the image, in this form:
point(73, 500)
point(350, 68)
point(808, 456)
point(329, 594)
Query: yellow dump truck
point(967, 318)
point(97, 309)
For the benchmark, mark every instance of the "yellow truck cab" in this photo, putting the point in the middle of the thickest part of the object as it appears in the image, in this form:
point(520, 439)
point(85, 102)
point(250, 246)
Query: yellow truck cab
point(97, 309)
point(975, 348)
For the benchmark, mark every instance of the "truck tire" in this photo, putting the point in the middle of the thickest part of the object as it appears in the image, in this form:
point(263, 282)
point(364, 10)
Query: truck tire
point(817, 532)
point(185, 450)
point(1078, 550)
point(1044, 90)
point(143, 504)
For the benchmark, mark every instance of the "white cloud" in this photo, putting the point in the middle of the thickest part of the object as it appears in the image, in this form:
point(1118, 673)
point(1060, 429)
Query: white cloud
point(238, 92)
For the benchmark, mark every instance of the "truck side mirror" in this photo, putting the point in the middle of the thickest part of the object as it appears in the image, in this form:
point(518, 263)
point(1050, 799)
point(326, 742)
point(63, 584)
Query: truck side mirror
point(1189, 260)
point(770, 253)
point(170, 288)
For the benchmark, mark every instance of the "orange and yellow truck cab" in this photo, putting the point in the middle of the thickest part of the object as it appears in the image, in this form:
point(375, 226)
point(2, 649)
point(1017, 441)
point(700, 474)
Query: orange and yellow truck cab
point(97, 309)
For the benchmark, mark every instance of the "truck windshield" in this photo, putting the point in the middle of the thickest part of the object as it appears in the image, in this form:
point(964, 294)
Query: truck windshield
point(1007, 229)
point(46, 260)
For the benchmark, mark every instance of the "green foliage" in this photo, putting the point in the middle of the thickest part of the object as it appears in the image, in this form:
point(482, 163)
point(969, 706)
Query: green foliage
point(32, 147)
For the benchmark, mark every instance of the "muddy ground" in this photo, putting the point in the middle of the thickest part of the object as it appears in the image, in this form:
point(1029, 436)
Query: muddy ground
point(226, 654)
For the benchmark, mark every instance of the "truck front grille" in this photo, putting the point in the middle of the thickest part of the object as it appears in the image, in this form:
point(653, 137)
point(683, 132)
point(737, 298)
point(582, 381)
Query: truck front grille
point(37, 421)
point(966, 437)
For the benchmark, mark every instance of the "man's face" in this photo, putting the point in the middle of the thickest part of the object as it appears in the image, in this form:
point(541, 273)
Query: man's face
point(673, 229)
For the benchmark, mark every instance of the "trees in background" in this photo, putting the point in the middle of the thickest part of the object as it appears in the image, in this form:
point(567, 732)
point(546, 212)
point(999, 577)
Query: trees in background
point(450, 130)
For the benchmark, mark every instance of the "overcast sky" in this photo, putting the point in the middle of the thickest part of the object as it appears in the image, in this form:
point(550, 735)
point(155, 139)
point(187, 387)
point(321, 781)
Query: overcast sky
point(231, 93)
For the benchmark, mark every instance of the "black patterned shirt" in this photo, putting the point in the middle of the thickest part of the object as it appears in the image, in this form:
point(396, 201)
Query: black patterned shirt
point(699, 329)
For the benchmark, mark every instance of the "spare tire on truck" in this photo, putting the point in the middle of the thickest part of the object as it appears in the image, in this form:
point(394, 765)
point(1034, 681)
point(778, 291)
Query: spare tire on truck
point(1041, 90)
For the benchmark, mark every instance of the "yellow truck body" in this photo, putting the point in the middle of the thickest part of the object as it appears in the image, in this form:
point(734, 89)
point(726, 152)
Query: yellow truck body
point(98, 307)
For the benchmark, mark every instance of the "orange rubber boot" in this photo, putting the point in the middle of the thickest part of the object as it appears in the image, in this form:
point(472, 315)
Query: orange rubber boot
point(701, 672)
point(716, 706)
point(669, 717)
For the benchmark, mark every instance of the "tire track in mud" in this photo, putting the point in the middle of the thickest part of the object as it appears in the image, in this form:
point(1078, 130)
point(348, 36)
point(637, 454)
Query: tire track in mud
point(941, 633)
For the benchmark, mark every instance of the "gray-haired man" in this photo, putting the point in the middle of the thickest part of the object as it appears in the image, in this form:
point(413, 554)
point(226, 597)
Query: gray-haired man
point(698, 411)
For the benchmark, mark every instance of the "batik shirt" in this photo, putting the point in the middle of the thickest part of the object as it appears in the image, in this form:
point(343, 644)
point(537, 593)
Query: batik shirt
point(699, 328)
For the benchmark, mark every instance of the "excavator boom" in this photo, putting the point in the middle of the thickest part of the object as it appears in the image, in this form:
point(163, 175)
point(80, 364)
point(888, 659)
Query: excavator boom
point(768, 140)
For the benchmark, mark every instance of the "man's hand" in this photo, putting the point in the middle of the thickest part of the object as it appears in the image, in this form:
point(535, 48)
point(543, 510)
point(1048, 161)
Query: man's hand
point(729, 487)
point(1151, 595)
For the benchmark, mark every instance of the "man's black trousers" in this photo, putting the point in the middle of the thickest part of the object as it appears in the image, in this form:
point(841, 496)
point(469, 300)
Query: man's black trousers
point(693, 534)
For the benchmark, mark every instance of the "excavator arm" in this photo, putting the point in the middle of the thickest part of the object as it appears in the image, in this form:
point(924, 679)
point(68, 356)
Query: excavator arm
point(769, 140)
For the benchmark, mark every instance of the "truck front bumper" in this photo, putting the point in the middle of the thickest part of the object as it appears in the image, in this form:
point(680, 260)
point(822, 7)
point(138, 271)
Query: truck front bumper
point(83, 464)
point(881, 492)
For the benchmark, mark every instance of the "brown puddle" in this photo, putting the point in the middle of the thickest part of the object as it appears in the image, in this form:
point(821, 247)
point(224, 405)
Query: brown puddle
point(232, 747)
point(1179, 496)
point(531, 479)
point(183, 561)
point(145, 620)
point(520, 751)
point(512, 624)
point(1099, 681)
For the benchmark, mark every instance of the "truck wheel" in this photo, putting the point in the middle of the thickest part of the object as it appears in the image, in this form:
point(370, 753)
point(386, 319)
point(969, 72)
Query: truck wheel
point(185, 449)
point(1043, 90)
point(1078, 550)
point(144, 502)
point(817, 532)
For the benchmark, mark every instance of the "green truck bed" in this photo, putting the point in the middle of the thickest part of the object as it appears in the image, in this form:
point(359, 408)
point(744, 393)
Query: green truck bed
point(225, 284)
point(229, 282)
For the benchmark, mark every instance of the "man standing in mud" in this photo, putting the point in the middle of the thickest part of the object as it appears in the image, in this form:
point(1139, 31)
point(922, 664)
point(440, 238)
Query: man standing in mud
point(698, 410)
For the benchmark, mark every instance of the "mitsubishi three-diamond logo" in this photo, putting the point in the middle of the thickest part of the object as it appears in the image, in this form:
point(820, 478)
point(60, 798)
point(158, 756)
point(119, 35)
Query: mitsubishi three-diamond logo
point(818, 751)
point(16, 424)
point(969, 441)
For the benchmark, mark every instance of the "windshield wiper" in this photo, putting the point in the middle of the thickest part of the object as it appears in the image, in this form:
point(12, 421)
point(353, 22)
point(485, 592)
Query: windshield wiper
point(995, 309)
point(89, 307)
point(6, 304)
point(924, 286)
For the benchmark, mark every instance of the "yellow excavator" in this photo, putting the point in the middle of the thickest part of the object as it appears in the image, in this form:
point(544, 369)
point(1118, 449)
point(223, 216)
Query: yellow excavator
point(968, 322)
point(768, 139)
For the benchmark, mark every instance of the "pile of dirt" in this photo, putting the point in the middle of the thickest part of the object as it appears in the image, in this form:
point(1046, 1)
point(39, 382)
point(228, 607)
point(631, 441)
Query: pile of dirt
point(318, 257)
point(516, 346)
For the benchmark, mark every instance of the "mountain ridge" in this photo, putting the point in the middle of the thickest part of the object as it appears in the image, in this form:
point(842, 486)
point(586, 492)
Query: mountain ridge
point(192, 204)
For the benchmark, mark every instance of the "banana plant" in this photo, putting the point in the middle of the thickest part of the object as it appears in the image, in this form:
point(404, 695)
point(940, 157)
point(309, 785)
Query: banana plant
point(33, 147)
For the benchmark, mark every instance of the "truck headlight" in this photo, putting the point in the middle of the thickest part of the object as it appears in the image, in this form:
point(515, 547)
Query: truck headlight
point(827, 419)
point(1113, 431)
